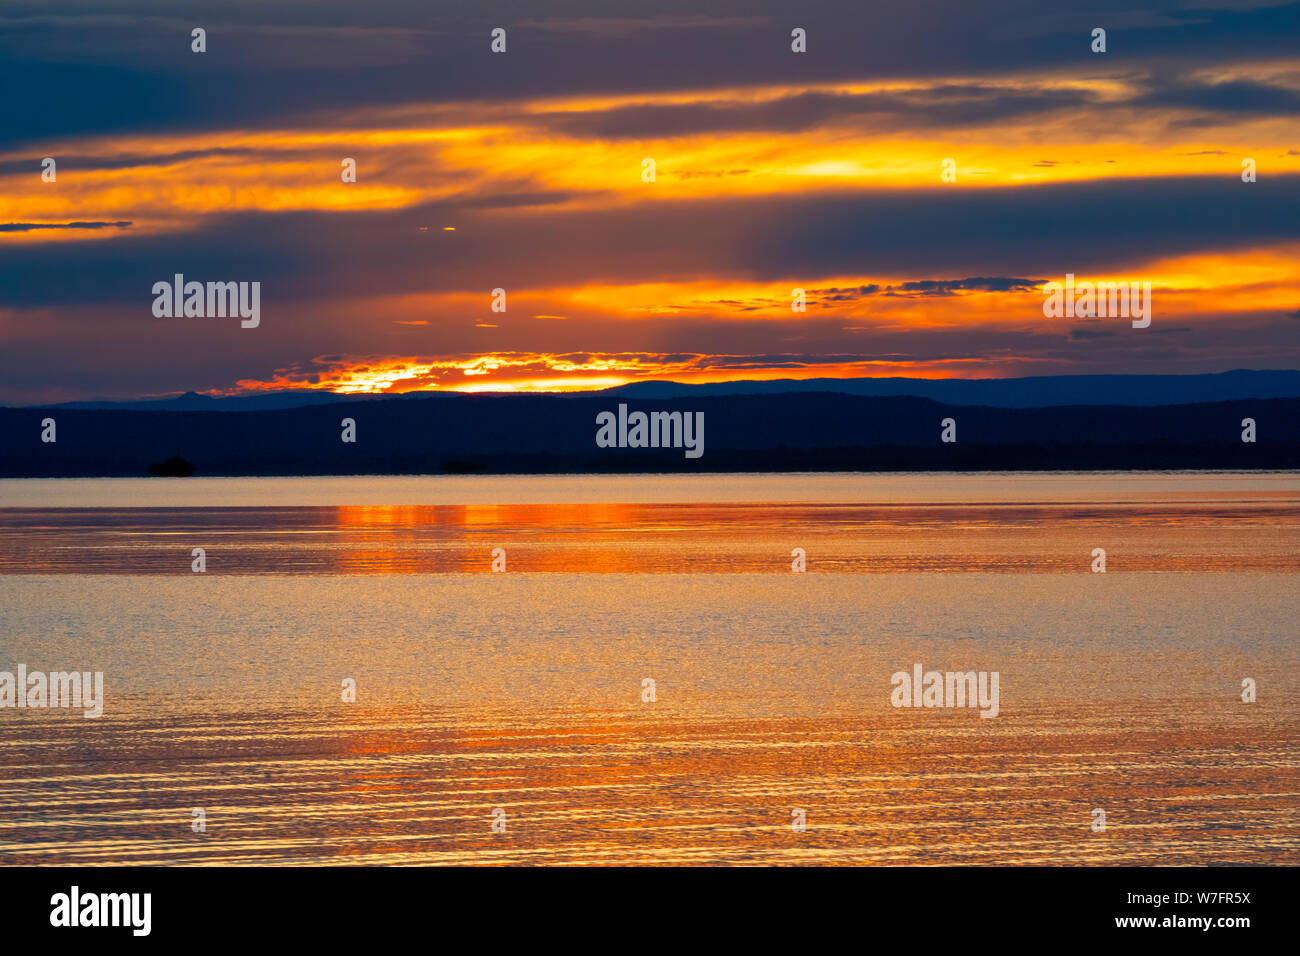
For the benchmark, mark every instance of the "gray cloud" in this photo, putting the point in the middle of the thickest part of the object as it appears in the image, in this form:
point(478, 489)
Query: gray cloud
point(1042, 230)
point(127, 67)
point(33, 226)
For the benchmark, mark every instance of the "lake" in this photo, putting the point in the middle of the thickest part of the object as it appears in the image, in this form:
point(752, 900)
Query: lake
point(521, 698)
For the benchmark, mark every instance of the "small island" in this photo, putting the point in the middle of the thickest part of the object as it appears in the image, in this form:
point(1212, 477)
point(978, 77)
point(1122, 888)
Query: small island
point(174, 467)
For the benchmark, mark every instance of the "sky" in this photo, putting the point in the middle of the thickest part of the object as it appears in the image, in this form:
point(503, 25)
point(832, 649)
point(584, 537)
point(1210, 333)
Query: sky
point(524, 170)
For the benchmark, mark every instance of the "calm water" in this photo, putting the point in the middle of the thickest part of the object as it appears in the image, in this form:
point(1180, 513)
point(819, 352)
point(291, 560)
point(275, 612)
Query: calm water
point(522, 691)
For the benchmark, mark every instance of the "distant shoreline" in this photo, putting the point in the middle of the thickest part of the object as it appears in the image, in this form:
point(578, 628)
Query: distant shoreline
point(547, 434)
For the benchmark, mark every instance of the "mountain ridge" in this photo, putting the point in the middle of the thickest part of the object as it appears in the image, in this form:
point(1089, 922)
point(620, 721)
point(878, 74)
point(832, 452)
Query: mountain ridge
point(1040, 391)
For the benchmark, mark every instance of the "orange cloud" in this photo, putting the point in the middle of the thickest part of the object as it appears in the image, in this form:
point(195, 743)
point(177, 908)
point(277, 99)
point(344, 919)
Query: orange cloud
point(417, 155)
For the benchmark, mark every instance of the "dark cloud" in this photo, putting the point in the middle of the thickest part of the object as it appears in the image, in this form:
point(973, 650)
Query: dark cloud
point(944, 106)
point(1238, 97)
point(33, 226)
point(78, 163)
point(1046, 230)
point(930, 287)
point(847, 295)
point(1043, 230)
point(127, 67)
point(953, 286)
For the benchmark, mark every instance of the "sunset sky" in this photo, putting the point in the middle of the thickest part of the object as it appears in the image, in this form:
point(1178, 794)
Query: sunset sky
point(523, 171)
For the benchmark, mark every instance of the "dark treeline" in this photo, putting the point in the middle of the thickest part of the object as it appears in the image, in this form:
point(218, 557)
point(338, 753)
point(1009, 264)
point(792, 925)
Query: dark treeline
point(459, 433)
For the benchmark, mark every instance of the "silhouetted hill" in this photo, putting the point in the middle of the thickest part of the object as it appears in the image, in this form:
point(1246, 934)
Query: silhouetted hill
point(194, 402)
point(467, 434)
point(1034, 392)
